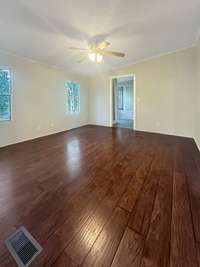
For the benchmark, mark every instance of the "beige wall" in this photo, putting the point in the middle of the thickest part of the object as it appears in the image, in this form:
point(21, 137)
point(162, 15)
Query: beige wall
point(165, 94)
point(99, 100)
point(198, 97)
point(39, 101)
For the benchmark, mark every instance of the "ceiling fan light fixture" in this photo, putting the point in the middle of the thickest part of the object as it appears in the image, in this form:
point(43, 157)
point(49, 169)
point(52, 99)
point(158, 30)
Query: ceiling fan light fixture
point(99, 58)
point(97, 52)
point(92, 56)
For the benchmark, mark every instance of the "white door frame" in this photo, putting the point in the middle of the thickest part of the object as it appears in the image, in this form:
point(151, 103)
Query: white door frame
point(134, 97)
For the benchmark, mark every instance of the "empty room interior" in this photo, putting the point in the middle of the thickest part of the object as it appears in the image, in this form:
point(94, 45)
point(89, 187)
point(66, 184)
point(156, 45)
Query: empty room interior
point(100, 133)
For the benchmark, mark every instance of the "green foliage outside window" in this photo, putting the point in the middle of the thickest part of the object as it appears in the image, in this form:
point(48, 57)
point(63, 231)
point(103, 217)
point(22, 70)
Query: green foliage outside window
point(5, 95)
point(73, 96)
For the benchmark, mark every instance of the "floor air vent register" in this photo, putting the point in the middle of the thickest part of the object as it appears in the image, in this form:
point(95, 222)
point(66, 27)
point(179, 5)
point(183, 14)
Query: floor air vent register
point(23, 247)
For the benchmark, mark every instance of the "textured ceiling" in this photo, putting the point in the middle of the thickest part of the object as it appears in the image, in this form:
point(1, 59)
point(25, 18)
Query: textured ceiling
point(43, 30)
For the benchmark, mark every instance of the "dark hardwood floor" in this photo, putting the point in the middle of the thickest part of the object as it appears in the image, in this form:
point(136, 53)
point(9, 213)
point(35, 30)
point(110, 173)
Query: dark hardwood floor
point(98, 196)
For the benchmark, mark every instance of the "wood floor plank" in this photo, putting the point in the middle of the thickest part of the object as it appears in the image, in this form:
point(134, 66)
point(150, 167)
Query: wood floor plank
point(84, 239)
point(130, 250)
point(198, 252)
point(183, 248)
point(78, 226)
point(141, 214)
point(94, 192)
point(84, 207)
point(130, 196)
point(40, 211)
point(157, 245)
point(104, 248)
point(64, 261)
point(193, 180)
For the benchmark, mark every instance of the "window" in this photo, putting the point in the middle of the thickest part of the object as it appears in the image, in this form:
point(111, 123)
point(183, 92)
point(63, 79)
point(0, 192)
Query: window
point(73, 96)
point(5, 95)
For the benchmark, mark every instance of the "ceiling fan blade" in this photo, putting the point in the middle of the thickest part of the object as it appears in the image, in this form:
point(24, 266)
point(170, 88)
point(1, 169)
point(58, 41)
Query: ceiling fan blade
point(103, 45)
point(77, 48)
point(112, 53)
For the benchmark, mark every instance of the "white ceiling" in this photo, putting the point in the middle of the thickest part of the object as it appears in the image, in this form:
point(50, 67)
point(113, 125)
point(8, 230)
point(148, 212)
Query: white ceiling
point(43, 30)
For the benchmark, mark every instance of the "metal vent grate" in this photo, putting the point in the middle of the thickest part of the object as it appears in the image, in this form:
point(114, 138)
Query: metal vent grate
point(23, 247)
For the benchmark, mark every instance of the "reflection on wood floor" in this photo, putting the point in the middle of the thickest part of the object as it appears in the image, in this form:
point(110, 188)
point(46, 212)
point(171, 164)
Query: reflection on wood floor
point(98, 196)
point(124, 124)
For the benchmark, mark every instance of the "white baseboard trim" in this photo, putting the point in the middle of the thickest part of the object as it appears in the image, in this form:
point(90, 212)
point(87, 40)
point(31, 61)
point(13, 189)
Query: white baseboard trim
point(197, 143)
point(100, 124)
point(165, 132)
point(22, 140)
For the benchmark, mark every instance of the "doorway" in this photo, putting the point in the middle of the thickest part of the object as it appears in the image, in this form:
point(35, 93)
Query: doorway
point(123, 102)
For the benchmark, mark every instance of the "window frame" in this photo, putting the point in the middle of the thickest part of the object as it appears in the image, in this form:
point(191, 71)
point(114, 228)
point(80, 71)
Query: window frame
point(79, 98)
point(4, 67)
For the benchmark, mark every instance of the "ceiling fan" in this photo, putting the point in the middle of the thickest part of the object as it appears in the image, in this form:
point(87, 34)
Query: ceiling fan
point(96, 52)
